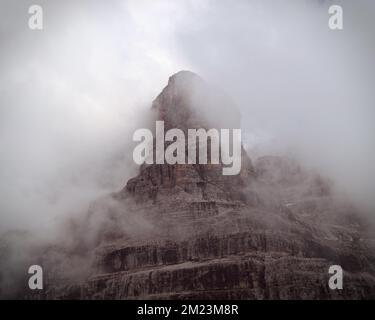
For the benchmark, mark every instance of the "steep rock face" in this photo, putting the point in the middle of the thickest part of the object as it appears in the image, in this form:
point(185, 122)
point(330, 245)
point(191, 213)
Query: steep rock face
point(195, 188)
point(270, 232)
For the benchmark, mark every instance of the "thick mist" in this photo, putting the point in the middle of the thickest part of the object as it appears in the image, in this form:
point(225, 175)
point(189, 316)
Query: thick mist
point(72, 94)
point(303, 90)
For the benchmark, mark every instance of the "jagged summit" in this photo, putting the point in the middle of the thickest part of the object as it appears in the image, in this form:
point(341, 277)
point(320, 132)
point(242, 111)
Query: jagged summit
point(187, 102)
point(184, 81)
point(185, 231)
point(174, 104)
point(190, 102)
point(184, 76)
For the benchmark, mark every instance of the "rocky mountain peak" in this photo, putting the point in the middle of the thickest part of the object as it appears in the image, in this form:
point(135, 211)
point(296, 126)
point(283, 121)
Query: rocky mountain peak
point(183, 78)
point(271, 232)
point(190, 102)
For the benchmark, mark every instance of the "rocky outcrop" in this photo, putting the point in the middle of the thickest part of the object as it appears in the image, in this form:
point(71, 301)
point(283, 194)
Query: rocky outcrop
point(270, 232)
